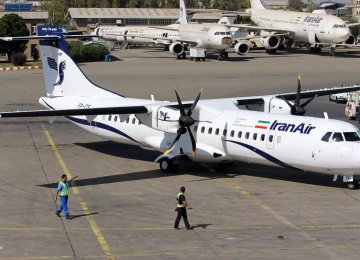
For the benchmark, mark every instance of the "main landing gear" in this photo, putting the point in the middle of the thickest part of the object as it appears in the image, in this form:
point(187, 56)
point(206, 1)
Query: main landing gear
point(169, 165)
point(315, 49)
point(352, 182)
point(223, 55)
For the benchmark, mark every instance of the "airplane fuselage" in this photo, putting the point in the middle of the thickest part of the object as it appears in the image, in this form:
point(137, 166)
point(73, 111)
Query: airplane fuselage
point(305, 27)
point(305, 143)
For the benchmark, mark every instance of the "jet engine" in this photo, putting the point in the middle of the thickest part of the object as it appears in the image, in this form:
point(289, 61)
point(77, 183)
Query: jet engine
point(270, 42)
point(351, 40)
point(176, 48)
point(242, 48)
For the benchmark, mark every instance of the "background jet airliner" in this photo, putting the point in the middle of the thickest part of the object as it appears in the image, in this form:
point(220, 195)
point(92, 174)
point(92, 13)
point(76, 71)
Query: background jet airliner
point(215, 130)
point(275, 26)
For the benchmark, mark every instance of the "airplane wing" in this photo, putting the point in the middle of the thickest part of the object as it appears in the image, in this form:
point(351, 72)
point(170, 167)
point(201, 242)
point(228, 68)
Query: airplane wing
point(78, 112)
point(352, 25)
point(156, 38)
point(251, 27)
point(320, 92)
point(303, 94)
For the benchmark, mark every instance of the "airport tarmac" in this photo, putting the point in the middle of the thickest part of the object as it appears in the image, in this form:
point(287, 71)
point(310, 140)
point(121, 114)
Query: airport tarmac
point(124, 205)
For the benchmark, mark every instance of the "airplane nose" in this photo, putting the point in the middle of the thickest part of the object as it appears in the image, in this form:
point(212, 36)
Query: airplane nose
point(342, 35)
point(226, 41)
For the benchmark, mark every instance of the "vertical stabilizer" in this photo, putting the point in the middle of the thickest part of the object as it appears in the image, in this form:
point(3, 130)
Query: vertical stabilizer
point(183, 15)
point(62, 76)
point(258, 4)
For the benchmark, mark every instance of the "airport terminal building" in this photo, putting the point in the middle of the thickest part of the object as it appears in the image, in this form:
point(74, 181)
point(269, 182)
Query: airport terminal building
point(85, 18)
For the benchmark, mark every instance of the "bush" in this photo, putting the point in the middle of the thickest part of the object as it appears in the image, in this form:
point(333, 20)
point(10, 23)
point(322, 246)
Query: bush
point(88, 52)
point(18, 59)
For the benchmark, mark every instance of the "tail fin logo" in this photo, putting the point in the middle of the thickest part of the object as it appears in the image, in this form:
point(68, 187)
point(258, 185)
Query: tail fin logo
point(53, 65)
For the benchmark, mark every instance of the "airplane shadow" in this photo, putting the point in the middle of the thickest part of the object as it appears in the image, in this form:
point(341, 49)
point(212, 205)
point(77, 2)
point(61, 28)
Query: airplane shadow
point(203, 172)
point(121, 150)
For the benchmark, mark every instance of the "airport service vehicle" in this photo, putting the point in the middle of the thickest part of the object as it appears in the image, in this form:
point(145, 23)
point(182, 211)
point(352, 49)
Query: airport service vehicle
point(339, 97)
point(267, 130)
point(197, 54)
point(352, 104)
point(317, 30)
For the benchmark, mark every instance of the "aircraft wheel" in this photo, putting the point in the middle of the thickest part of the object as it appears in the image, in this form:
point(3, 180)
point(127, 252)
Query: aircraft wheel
point(352, 185)
point(169, 165)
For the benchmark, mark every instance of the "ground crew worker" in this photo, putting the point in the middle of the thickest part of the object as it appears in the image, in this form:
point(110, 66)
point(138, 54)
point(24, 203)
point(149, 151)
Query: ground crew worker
point(182, 205)
point(63, 189)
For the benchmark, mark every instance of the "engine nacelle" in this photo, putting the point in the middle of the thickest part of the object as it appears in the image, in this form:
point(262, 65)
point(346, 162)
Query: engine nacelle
point(270, 42)
point(176, 48)
point(242, 48)
point(351, 40)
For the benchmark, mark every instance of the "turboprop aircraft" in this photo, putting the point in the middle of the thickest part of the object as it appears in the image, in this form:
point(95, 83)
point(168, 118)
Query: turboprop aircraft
point(212, 131)
point(317, 30)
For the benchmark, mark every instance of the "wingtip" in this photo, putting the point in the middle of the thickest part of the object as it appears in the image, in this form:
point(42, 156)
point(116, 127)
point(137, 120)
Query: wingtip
point(193, 153)
point(299, 78)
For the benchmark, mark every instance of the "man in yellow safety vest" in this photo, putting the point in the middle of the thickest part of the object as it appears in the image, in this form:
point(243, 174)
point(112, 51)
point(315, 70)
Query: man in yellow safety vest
point(63, 189)
point(182, 205)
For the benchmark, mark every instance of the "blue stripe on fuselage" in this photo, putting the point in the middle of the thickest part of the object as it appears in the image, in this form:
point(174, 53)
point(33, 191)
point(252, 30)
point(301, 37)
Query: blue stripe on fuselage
point(100, 125)
point(264, 155)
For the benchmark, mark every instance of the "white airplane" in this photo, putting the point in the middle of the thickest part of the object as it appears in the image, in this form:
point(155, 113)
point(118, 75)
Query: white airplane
point(212, 131)
point(276, 26)
point(205, 35)
point(181, 35)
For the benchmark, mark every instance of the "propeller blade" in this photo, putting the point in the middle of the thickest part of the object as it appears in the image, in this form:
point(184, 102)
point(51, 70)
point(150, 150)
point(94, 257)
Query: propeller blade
point(191, 110)
point(182, 111)
point(180, 132)
point(193, 142)
point(308, 101)
point(298, 93)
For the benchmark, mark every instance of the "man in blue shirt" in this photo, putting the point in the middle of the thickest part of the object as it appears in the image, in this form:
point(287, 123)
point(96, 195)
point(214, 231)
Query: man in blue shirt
point(63, 189)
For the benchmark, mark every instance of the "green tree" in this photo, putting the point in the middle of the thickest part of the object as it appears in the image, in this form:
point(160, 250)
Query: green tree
point(243, 5)
point(135, 3)
point(57, 10)
point(13, 25)
point(295, 5)
point(173, 4)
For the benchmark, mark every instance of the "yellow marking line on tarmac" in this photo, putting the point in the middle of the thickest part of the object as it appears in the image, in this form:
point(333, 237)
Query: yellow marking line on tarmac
point(261, 204)
point(95, 228)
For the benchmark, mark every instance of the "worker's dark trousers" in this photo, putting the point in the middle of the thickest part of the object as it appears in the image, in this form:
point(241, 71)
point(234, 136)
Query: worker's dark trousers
point(181, 213)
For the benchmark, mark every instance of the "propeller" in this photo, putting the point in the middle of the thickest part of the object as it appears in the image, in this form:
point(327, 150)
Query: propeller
point(296, 108)
point(185, 121)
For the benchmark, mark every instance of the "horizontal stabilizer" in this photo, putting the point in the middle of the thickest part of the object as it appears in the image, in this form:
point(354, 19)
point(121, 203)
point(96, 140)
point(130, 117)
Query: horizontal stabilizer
point(77, 112)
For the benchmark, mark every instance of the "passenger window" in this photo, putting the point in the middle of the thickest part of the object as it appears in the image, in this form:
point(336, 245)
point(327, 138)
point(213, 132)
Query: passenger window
point(115, 118)
point(134, 120)
point(239, 134)
point(279, 139)
point(224, 132)
point(262, 138)
point(271, 138)
point(203, 129)
point(210, 130)
point(195, 128)
point(217, 131)
point(232, 133)
point(351, 137)
point(127, 120)
point(247, 135)
point(109, 118)
point(255, 136)
point(326, 137)
point(337, 137)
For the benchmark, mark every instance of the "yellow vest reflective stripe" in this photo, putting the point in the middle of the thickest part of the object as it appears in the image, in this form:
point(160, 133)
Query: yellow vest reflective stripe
point(65, 190)
point(177, 199)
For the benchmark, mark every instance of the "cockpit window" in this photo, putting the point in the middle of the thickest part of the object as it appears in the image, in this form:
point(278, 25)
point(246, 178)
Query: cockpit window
point(326, 137)
point(222, 33)
point(339, 26)
point(351, 137)
point(337, 137)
